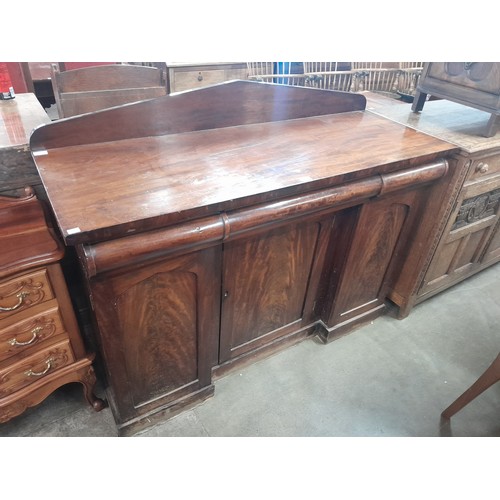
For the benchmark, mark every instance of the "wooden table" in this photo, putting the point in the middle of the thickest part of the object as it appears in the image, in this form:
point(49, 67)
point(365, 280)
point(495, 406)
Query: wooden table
point(18, 118)
point(219, 225)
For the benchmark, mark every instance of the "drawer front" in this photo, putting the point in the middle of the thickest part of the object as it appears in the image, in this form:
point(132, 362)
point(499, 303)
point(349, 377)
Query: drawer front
point(23, 292)
point(25, 331)
point(34, 368)
point(485, 167)
point(185, 80)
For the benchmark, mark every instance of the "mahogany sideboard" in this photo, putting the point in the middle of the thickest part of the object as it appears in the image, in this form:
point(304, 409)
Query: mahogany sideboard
point(470, 237)
point(221, 224)
point(40, 343)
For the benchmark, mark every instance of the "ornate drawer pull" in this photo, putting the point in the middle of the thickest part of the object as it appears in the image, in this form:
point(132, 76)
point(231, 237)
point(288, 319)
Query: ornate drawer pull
point(35, 331)
point(31, 373)
point(20, 296)
point(482, 168)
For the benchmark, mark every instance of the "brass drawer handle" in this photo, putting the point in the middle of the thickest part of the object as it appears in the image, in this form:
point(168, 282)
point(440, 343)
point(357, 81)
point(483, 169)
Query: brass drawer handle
point(35, 331)
point(482, 168)
point(20, 296)
point(31, 373)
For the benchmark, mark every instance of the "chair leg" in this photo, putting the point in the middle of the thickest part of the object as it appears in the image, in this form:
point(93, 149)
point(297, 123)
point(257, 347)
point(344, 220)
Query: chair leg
point(487, 379)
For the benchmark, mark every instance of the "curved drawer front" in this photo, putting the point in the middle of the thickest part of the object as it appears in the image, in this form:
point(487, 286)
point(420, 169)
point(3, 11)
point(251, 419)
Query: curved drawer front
point(24, 332)
point(22, 292)
point(34, 368)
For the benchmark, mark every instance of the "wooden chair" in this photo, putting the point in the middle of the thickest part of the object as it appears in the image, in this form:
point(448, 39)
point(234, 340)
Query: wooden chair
point(98, 87)
point(330, 75)
point(409, 74)
point(274, 72)
point(486, 380)
point(376, 76)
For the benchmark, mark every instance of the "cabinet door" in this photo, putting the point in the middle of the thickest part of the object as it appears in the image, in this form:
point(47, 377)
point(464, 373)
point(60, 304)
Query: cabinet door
point(158, 330)
point(361, 274)
point(493, 251)
point(471, 228)
point(266, 279)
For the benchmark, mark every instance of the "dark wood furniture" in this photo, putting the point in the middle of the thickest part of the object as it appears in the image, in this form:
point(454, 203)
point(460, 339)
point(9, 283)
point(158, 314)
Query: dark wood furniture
point(218, 225)
point(475, 84)
point(40, 344)
point(490, 376)
point(93, 88)
point(18, 118)
point(469, 239)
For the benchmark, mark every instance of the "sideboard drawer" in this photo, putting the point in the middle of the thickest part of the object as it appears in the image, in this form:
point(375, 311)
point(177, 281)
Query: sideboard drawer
point(28, 370)
point(24, 291)
point(484, 167)
point(26, 331)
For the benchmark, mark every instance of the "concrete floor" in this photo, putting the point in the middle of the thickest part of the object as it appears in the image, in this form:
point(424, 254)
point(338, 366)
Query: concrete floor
point(390, 378)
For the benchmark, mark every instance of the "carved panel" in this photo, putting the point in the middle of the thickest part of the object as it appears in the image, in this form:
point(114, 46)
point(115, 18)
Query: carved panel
point(477, 75)
point(477, 208)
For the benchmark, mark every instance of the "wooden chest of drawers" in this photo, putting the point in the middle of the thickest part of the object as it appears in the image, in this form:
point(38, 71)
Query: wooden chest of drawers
point(40, 344)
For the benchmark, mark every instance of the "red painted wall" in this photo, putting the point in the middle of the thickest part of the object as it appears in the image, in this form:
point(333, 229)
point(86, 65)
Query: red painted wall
point(11, 75)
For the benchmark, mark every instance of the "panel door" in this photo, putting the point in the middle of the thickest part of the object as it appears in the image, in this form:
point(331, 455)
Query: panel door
point(460, 253)
point(361, 276)
point(492, 253)
point(158, 330)
point(266, 279)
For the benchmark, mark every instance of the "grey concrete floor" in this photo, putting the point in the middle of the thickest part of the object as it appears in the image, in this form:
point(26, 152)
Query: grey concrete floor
point(390, 378)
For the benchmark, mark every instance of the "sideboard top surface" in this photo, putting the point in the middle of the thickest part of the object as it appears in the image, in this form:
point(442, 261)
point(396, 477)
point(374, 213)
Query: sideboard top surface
point(154, 163)
point(177, 177)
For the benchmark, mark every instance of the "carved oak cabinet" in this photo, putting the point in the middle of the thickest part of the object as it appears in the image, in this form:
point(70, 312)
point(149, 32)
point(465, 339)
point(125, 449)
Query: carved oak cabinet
point(221, 224)
point(469, 240)
point(40, 344)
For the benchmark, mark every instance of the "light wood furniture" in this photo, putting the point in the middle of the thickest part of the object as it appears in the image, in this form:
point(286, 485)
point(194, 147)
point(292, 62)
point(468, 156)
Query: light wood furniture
point(469, 239)
point(93, 88)
point(40, 344)
point(486, 380)
point(475, 84)
point(18, 118)
point(219, 225)
point(188, 76)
